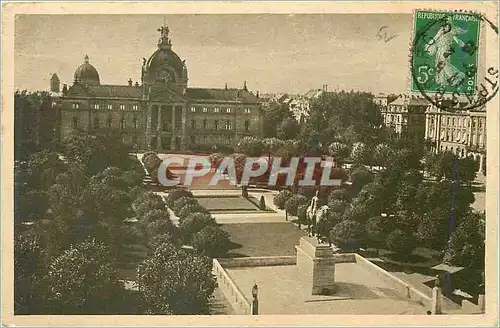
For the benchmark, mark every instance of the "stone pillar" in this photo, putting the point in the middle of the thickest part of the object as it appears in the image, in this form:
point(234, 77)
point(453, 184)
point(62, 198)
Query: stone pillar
point(172, 141)
point(477, 132)
point(148, 119)
point(183, 135)
point(481, 158)
point(160, 122)
point(437, 300)
point(316, 266)
point(481, 302)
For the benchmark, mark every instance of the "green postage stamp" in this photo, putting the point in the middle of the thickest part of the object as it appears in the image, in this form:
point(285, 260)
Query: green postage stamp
point(444, 56)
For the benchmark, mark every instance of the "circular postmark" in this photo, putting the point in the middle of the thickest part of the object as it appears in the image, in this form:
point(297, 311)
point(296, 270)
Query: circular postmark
point(445, 60)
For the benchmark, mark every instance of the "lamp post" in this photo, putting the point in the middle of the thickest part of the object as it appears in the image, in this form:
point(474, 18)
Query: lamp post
point(255, 302)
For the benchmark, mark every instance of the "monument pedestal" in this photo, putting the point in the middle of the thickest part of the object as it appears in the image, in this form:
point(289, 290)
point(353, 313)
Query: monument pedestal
point(316, 266)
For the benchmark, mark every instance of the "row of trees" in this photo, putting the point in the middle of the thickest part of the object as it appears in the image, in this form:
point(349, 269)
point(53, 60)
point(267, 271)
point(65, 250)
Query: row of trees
point(72, 215)
point(394, 207)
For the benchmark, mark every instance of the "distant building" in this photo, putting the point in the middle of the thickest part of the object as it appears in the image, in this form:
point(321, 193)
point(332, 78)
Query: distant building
point(406, 115)
point(381, 100)
point(461, 132)
point(161, 112)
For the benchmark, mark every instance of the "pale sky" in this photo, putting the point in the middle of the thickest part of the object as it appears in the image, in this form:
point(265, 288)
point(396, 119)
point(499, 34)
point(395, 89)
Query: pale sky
point(274, 53)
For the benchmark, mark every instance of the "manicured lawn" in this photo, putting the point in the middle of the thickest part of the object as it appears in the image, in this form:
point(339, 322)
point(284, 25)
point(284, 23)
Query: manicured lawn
point(263, 239)
point(225, 203)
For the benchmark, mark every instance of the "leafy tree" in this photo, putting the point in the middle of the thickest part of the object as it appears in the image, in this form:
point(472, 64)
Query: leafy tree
point(376, 230)
point(180, 203)
point(341, 194)
point(273, 118)
point(42, 168)
point(347, 234)
point(271, 145)
point(468, 242)
point(433, 229)
point(159, 239)
point(383, 155)
point(288, 129)
point(96, 152)
point(194, 223)
point(302, 214)
point(402, 243)
point(31, 205)
point(154, 215)
point(29, 271)
point(359, 179)
point(280, 199)
point(212, 241)
point(250, 146)
point(175, 194)
point(292, 204)
point(83, 280)
point(161, 227)
point(344, 116)
point(191, 208)
point(360, 153)
point(175, 281)
point(146, 202)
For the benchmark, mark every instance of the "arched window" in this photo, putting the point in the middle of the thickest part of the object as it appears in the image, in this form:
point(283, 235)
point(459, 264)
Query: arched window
point(122, 123)
point(135, 123)
point(96, 122)
point(109, 122)
point(204, 123)
point(247, 125)
point(75, 122)
point(216, 125)
point(228, 125)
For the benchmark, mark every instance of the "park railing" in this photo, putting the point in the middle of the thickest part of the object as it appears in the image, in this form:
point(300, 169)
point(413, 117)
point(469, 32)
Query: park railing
point(233, 294)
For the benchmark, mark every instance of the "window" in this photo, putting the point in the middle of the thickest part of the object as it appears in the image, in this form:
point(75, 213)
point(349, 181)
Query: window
point(229, 140)
point(193, 124)
point(247, 110)
point(205, 139)
point(122, 123)
point(216, 109)
point(205, 109)
point(96, 106)
point(480, 124)
point(135, 123)
point(204, 124)
point(448, 120)
point(193, 140)
point(228, 110)
point(135, 107)
point(193, 109)
point(75, 122)
point(228, 125)
point(122, 107)
point(110, 107)
point(76, 105)
point(96, 122)
point(453, 122)
point(216, 125)
point(399, 119)
point(109, 122)
point(247, 125)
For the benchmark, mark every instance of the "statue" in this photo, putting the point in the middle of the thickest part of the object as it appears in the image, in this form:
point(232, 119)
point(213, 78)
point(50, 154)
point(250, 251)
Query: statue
point(322, 231)
point(311, 215)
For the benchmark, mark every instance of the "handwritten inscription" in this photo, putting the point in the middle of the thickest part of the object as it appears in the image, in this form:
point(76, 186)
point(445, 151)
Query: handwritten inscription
point(385, 34)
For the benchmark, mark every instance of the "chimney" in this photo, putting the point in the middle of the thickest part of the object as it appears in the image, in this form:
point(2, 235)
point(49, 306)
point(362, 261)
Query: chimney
point(326, 87)
point(245, 86)
point(129, 82)
point(257, 94)
point(226, 86)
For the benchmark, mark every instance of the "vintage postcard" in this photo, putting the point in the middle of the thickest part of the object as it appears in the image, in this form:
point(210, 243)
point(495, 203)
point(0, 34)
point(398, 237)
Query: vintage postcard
point(250, 163)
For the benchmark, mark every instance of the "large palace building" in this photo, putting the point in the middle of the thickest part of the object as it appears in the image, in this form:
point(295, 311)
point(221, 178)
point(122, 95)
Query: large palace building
point(161, 112)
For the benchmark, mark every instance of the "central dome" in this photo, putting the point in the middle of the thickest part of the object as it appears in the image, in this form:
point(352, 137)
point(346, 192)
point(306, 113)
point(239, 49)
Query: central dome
point(86, 73)
point(165, 59)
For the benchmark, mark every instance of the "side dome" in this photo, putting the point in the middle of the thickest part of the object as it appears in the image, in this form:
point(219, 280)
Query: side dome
point(87, 74)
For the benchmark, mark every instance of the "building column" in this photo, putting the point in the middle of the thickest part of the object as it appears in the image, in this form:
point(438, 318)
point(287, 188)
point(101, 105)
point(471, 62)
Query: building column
point(172, 140)
point(481, 158)
point(477, 133)
point(184, 134)
point(148, 119)
point(160, 122)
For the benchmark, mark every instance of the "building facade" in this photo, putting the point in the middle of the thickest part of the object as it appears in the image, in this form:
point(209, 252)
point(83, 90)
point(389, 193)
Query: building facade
point(405, 115)
point(161, 112)
point(460, 132)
